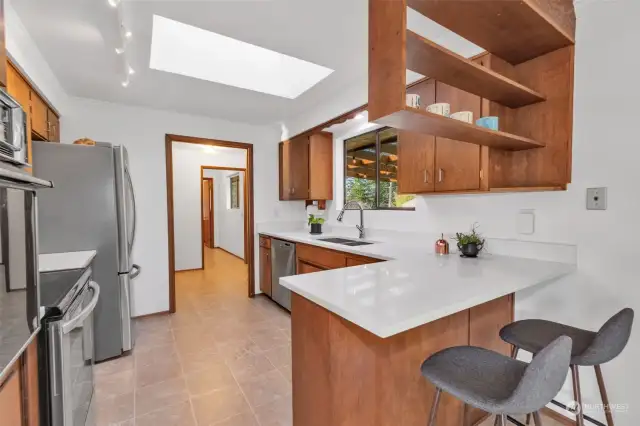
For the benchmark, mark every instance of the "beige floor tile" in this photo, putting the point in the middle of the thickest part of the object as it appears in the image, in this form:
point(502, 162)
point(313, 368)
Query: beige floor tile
point(117, 365)
point(114, 384)
point(243, 419)
point(279, 356)
point(201, 360)
point(163, 394)
point(148, 356)
point(250, 366)
point(276, 413)
point(269, 338)
point(156, 322)
point(189, 343)
point(185, 319)
point(266, 388)
point(159, 371)
point(154, 338)
point(286, 372)
point(219, 405)
point(113, 410)
point(234, 349)
point(218, 376)
point(175, 415)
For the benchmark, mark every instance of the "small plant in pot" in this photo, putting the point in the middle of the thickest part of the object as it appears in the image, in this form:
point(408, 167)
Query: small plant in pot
point(470, 244)
point(316, 224)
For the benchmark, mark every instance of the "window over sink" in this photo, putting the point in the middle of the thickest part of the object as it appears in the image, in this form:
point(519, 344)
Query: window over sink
point(371, 171)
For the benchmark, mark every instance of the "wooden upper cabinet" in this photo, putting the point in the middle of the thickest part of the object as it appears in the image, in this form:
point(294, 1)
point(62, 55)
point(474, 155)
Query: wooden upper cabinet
point(416, 151)
point(18, 88)
point(39, 116)
point(321, 166)
point(54, 126)
point(457, 164)
point(299, 167)
point(306, 167)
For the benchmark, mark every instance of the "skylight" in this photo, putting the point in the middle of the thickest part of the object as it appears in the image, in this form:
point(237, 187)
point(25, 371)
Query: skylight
point(193, 52)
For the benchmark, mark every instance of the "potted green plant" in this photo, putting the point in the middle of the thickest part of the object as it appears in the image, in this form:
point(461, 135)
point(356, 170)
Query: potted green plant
point(470, 244)
point(316, 224)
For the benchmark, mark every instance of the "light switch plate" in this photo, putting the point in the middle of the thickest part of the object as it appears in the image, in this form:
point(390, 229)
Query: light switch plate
point(596, 198)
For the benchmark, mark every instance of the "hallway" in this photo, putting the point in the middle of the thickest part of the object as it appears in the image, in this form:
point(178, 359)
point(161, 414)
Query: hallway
point(222, 359)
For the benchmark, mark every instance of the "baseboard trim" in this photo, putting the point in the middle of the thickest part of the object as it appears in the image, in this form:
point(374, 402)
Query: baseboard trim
point(234, 255)
point(155, 314)
point(190, 270)
point(548, 412)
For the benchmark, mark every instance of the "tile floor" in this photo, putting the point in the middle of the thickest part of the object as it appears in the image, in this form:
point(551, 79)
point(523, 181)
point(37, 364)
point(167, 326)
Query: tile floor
point(222, 359)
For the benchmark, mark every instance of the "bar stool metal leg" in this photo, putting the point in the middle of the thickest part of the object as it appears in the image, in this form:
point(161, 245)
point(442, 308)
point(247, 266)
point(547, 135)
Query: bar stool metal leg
point(434, 407)
point(514, 352)
point(528, 419)
point(536, 419)
point(577, 395)
point(603, 394)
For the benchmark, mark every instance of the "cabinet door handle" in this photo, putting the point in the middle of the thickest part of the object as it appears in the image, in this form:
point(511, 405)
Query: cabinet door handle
point(426, 176)
point(293, 190)
point(440, 175)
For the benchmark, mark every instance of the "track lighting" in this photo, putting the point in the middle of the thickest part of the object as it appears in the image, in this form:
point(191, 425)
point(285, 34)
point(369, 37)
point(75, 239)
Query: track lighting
point(125, 83)
point(119, 50)
point(113, 3)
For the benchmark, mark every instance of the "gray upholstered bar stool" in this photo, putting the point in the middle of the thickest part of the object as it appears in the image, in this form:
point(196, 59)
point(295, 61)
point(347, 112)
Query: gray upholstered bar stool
point(496, 383)
point(589, 348)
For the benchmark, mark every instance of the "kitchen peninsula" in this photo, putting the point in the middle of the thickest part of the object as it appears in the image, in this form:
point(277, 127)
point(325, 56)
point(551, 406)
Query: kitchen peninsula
point(359, 334)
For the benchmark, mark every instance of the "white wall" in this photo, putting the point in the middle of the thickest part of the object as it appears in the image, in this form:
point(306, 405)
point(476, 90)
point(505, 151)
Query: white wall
point(228, 223)
point(605, 152)
point(187, 160)
point(23, 50)
point(143, 131)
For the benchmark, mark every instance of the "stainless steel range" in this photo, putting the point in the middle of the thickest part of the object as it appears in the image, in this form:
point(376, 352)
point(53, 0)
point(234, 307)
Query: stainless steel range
point(69, 298)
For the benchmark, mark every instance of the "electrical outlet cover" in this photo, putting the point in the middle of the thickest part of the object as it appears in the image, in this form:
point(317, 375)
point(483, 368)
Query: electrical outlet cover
point(525, 222)
point(596, 198)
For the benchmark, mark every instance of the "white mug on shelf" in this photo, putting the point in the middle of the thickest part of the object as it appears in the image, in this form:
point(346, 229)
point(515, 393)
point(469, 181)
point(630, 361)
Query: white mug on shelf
point(413, 101)
point(440, 109)
point(466, 116)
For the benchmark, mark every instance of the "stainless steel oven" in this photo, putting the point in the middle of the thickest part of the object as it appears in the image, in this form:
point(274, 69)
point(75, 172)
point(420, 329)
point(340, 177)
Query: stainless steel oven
point(70, 298)
point(13, 131)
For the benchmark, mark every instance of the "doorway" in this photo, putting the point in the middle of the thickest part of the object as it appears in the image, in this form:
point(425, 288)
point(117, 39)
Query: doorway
point(247, 201)
point(208, 206)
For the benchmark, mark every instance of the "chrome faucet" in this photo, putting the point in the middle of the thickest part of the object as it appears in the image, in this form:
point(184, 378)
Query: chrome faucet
point(357, 204)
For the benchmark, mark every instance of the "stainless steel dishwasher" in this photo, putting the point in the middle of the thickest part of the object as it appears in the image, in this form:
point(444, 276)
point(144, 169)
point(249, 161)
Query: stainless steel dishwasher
point(283, 264)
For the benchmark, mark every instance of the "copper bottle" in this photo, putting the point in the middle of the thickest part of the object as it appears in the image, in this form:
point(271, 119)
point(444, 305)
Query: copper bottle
point(442, 246)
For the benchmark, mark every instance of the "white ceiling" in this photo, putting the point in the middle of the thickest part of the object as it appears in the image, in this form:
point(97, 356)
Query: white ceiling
point(78, 38)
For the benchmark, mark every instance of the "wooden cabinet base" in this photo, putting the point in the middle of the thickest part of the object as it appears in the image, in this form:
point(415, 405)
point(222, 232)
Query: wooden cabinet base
point(344, 375)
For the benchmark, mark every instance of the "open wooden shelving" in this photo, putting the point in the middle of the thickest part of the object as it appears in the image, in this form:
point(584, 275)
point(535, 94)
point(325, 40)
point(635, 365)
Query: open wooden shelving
point(428, 58)
point(516, 30)
point(421, 121)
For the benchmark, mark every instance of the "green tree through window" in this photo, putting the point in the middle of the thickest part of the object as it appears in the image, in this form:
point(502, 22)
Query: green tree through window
point(371, 171)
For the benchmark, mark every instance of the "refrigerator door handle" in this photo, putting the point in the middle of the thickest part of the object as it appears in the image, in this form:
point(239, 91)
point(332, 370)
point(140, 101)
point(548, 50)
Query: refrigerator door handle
point(133, 201)
point(135, 271)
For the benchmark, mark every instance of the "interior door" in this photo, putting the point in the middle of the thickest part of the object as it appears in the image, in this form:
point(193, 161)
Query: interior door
point(457, 164)
point(207, 212)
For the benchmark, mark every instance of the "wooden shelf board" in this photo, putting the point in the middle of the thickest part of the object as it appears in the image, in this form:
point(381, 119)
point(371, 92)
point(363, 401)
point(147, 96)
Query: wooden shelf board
point(516, 30)
point(430, 59)
point(421, 121)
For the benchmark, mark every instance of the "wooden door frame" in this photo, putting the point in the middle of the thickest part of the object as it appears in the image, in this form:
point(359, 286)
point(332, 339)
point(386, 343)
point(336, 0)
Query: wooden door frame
point(211, 210)
point(248, 202)
point(244, 203)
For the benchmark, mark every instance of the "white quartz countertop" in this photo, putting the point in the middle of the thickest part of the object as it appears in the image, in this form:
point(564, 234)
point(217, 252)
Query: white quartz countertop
point(65, 261)
point(415, 286)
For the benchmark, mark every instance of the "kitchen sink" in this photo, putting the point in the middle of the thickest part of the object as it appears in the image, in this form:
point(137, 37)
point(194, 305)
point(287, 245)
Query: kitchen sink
point(345, 241)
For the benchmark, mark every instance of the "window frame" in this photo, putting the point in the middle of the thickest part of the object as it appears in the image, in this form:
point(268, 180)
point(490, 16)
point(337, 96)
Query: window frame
point(236, 179)
point(345, 170)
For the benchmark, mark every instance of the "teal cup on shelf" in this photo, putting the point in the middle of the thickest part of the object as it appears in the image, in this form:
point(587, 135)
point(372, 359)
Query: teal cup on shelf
point(488, 122)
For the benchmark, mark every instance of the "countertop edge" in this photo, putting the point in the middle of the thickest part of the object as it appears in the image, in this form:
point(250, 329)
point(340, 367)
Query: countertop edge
point(4, 372)
point(90, 255)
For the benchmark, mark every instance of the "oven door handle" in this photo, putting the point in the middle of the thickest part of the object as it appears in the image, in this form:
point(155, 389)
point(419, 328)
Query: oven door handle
point(73, 323)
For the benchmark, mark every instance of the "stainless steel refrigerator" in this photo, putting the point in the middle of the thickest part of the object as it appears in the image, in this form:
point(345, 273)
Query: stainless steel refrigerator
point(92, 207)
